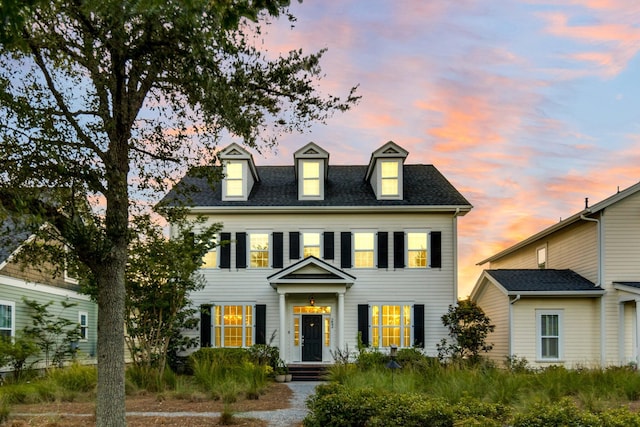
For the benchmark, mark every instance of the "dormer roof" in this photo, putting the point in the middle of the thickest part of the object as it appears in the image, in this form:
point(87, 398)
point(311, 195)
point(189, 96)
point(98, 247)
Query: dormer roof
point(390, 150)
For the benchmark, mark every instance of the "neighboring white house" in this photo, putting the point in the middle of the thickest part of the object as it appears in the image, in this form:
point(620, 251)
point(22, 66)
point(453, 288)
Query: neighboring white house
point(321, 253)
point(570, 294)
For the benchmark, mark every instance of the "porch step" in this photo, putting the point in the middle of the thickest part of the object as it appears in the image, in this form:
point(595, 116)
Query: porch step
point(308, 372)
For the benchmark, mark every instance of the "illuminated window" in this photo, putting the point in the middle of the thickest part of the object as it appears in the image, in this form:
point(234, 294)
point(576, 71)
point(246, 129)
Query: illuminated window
point(311, 244)
point(363, 250)
point(210, 259)
point(259, 250)
point(310, 178)
point(417, 250)
point(233, 325)
point(542, 257)
point(83, 321)
point(234, 179)
point(327, 332)
point(7, 318)
point(391, 325)
point(549, 334)
point(389, 178)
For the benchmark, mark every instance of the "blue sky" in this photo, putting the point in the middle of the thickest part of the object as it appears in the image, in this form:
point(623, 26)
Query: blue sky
point(527, 107)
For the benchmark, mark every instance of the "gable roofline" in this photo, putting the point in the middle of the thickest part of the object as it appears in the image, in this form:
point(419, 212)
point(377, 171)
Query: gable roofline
point(234, 151)
point(311, 151)
point(390, 150)
point(334, 275)
point(596, 208)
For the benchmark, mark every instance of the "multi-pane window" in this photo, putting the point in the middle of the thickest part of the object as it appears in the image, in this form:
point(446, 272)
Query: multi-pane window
point(363, 249)
point(234, 179)
point(259, 250)
point(310, 178)
point(549, 334)
point(233, 325)
point(7, 316)
point(83, 321)
point(310, 244)
point(389, 178)
point(417, 249)
point(391, 325)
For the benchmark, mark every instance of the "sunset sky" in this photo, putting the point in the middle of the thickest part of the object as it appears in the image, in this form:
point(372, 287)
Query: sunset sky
point(527, 107)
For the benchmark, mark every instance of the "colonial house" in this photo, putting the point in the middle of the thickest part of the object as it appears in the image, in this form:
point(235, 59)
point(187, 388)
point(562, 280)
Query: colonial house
point(569, 294)
point(18, 281)
point(317, 255)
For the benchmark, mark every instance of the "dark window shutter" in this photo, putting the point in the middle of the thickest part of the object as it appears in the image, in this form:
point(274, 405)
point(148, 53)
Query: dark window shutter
point(261, 324)
point(329, 244)
point(363, 323)
point(294, 245)
point(277, 250)
point(383, 249)
point(345, 249)
point(435, 247)
point(225, 250)
point(398, 249)
point(418, 325)
point(205, 326)
point(241, 250)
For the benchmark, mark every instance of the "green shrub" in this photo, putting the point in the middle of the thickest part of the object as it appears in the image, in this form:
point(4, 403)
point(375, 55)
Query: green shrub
point(264, 354)
point(370, 359)
point(620, 417)
point(561, 413)
point(225, 356)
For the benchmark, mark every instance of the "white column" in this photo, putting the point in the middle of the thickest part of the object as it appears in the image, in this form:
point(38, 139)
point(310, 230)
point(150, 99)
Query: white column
point(283, 326)
point(340, 341)
point(636, 343)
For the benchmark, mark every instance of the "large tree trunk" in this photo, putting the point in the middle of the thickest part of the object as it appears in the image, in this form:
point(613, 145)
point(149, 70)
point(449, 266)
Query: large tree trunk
point(110, 403)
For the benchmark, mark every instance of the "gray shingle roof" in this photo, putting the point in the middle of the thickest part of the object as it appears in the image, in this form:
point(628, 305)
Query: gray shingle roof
point(11, 237)
point(630, 284)
point(543, 280)
point(424, 185)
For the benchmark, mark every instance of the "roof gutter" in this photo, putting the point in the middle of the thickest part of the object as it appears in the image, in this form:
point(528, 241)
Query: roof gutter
point(603, 333)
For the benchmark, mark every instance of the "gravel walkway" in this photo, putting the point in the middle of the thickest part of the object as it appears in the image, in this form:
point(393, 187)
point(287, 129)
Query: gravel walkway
point(290, 416)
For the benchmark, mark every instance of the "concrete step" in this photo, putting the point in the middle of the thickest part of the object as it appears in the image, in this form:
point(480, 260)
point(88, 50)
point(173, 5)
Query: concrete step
point(308, 372)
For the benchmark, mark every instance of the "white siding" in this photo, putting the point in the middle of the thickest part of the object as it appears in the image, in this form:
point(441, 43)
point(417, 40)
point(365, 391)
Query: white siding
point(495, 305)
point(432, 287)
point(580, 330)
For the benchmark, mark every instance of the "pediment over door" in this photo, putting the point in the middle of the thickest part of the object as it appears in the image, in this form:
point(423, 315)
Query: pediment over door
point(311, 270)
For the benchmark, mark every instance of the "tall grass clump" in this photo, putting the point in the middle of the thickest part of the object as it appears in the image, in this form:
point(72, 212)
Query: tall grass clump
point(148, 378)
point(75, 378)
point(227, 373)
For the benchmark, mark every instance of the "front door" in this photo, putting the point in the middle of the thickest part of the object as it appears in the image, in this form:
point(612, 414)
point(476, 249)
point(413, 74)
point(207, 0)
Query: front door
point(312, 338)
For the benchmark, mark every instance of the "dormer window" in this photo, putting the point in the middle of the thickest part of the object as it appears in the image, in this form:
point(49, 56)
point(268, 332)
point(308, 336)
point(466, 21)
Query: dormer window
point(311, 167)
point(310, 178)
point(234, 179)
point(385, 171)
point(389, 179)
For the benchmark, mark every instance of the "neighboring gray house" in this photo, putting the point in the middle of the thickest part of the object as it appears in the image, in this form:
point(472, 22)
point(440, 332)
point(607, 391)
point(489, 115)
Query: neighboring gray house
point(18, 282)
point(322, 253)
point(570, 294)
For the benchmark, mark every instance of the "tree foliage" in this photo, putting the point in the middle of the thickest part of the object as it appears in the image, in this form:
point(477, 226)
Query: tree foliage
point(468, 327)
point(104, 99)
point(161, 274)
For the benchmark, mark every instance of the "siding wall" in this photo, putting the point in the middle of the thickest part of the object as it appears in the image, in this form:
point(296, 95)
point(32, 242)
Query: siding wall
point(495, 305)
point(14, 290)
point(580, 330)
point(432, 287)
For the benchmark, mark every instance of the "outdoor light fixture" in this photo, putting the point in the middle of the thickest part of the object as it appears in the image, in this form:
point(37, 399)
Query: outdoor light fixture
point(392, 364)
point(312, 301)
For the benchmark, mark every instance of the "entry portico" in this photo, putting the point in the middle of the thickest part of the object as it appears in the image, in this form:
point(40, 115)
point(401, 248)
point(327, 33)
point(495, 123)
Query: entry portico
point(311, 296)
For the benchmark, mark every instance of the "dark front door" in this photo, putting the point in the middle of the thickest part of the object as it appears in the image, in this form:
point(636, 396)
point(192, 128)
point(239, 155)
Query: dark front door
point(312, 338)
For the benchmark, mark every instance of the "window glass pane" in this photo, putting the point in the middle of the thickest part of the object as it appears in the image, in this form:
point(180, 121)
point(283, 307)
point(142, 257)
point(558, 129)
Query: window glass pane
point(5, 317)
point(327, 332)
point(296, 331)
point(311, 178)
point(233, 179)
point(311, 244)
point(417, 250)
point(542, 257)
point(259, 248)
point(210, 259)
point(363, 250)
point(389, 180)
point(550, 348)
